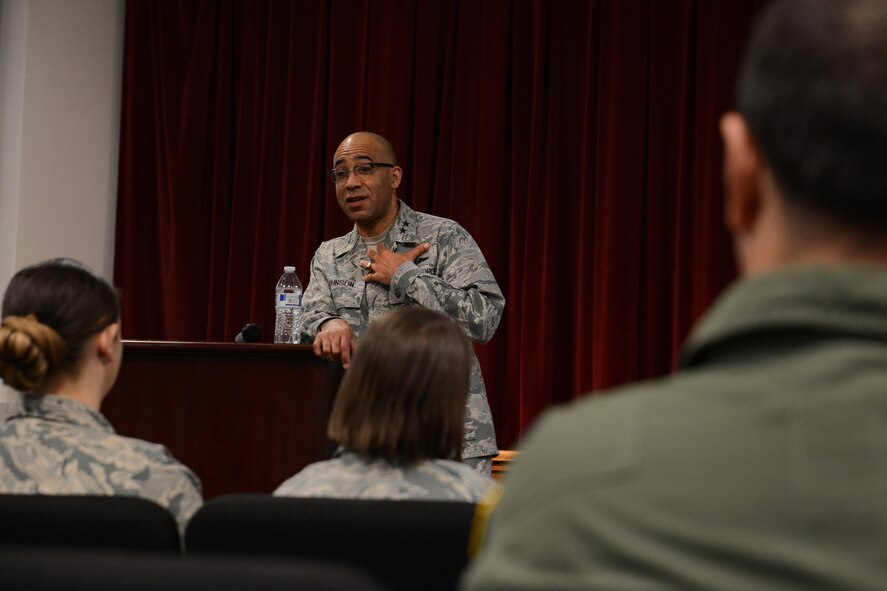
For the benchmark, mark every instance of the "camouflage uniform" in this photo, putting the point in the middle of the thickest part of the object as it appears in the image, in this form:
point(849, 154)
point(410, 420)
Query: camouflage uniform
point(452, 277)
point(59, 446)
point(351, 476)
point(10, 402)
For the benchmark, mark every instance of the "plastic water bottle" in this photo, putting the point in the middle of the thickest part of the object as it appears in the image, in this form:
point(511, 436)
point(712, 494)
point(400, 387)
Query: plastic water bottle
point(288, 307)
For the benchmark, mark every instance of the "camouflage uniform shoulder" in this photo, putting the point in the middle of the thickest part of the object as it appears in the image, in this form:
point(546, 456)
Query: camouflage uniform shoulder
point(354, 476)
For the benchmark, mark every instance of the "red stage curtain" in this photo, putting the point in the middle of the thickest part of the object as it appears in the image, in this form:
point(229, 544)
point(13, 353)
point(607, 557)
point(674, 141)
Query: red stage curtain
point(576, 140)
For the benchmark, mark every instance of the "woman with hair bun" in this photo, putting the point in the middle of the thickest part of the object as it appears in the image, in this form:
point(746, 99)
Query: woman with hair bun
point(60, 344)
point(399, 416)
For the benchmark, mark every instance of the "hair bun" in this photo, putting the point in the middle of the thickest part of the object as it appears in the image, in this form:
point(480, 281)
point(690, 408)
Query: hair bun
point(29, 349)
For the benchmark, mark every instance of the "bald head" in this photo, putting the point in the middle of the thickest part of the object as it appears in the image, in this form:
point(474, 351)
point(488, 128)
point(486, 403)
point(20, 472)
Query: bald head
point(367, 181)
point(385, 149)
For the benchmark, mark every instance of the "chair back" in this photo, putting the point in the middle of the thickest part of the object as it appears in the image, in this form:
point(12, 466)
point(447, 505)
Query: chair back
point(100, 570)
point(406, 544)
point(121, 523)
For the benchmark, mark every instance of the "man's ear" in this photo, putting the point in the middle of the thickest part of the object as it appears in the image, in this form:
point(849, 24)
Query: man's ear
point(396, 176)
point(743, 167)
point(107, 339)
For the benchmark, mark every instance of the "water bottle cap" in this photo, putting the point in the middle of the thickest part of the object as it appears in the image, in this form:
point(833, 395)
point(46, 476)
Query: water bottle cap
point(289, 269)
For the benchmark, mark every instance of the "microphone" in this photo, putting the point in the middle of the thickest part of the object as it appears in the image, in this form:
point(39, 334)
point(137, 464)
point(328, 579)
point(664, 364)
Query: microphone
point(250, 333)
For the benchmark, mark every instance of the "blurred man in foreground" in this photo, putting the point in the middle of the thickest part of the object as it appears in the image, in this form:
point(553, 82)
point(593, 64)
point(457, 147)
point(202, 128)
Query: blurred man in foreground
point(760, 464)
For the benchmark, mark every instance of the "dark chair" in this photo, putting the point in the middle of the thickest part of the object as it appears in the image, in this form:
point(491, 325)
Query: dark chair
point(405, 544)
point(121, 523)
point(98, 570)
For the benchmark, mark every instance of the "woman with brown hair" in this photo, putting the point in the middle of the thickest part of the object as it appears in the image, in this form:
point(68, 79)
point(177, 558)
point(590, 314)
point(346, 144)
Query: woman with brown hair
point(399, 416)
point(60, 344)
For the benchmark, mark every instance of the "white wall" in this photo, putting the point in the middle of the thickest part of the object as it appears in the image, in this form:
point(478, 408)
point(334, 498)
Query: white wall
point(60, 79)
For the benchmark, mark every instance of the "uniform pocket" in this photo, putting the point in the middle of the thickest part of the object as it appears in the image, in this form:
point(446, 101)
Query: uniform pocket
point(347, 299)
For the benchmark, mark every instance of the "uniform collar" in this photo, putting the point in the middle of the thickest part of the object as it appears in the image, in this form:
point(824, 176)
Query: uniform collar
point(50, 407)
point(825, 300)
point(404, 230)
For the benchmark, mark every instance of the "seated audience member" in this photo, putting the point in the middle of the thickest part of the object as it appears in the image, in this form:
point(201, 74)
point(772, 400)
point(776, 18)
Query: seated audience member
point(760, 464)
point(399, 417)
point(60, 344)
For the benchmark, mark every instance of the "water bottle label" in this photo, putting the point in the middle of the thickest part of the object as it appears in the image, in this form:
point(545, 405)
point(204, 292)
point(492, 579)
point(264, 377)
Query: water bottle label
point(289, 300)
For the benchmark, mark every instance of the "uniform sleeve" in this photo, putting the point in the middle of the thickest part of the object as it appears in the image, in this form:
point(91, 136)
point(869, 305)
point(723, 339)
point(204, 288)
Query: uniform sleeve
point(317, 300)
point(461, 285)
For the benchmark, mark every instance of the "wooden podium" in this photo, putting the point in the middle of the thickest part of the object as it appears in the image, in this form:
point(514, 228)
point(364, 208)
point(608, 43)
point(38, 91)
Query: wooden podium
point(243, 416)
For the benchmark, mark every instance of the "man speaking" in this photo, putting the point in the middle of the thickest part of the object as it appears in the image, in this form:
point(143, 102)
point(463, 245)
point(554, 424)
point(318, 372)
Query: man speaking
point(395, 257)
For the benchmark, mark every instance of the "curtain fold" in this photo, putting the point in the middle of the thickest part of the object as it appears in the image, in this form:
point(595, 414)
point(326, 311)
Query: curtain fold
point(576, 140)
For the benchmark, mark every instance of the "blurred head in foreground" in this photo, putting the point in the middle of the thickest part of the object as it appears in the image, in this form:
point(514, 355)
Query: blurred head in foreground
point(804, 155)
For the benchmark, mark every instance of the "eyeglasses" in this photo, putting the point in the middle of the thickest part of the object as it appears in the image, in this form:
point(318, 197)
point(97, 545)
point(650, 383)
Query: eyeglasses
point(340, 175)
